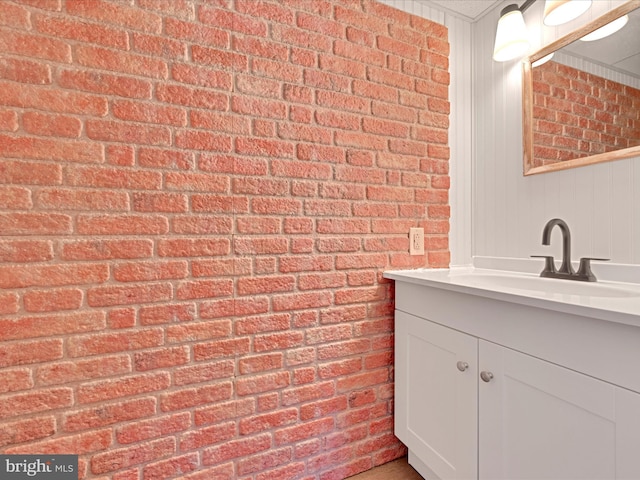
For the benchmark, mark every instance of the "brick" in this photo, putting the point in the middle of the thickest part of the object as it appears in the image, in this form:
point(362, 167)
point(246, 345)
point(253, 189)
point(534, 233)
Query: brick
point(141, 112)
point(261, 363)
point(105, 83)
point(244, 447)
point(204, 289)
point(116, 459)
point(51, 99)
point(259, 107)
point(203, 225)
point(36, 46)
point(15, 198)
point(303, 431)
point(261, 48)
point(258, 285)
point(239, 307)
point(24, 71)
point(125, 386)
point(301, 38)
point(255, 424)
point(204, 372)
point(232, 21)
point(30, 352)
point(36, 401)
point(50, 149)
point(152, 315)
point(73, 371)
point(95, 441)
point(286, 72)
point(16, 380)
point(221, 122)
point(153, 428)
point(8, 120)
point(89, 33)
point(105, 59)
point(52, 300)
point(128, 295)
point(117, 14)
point(106, 249)
point(196, 32)
point(192, 397)
point(161, 158)
point(278, 341)
point(221, 349)
point(201, 140)
point(223, 411)
point(220, 58)
point(158, 46)
point(113, 178)
point(149, 271)
point(51, 275)
point(111, 131)
point(122, 225)
point(9, 303)
point(27, 430)
point(15, 16)
point(98, 344)
point(160, 202)
point(108, 414)
point(76, 199)
point(193, 247)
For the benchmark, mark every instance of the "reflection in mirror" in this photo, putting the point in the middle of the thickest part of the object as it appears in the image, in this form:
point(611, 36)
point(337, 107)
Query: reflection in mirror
point(583, 105)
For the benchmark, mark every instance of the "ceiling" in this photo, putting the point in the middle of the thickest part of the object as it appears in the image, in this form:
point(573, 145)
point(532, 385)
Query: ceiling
point(471, 10)
point(620, 51)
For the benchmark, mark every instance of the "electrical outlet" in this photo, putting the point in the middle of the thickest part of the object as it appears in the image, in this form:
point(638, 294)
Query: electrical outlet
point(416, 241)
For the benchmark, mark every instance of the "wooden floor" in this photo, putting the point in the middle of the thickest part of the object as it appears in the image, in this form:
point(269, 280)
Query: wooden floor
point(396, 470)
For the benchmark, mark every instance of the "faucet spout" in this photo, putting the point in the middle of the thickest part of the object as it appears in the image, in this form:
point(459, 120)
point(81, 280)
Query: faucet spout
point(566, 243)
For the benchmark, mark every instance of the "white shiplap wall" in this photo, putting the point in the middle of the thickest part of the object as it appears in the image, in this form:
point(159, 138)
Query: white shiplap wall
point(461, 123)
point(496, 211)
point(601, 203)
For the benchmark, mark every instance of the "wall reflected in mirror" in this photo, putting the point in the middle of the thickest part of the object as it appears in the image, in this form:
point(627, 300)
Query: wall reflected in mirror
point(583, 105)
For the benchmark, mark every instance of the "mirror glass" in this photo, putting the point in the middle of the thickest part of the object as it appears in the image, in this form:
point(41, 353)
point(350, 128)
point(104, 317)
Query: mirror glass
point(583, 105)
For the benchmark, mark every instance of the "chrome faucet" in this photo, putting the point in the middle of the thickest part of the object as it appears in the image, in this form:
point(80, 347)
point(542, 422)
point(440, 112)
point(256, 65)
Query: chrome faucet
point(566, 271)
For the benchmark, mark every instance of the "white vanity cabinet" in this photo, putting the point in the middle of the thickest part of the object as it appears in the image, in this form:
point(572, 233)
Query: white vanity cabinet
point(436, 402)
point(489, 390)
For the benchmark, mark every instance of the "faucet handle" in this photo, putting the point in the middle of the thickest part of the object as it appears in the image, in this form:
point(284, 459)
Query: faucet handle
point(584, 270)
point(549, 264)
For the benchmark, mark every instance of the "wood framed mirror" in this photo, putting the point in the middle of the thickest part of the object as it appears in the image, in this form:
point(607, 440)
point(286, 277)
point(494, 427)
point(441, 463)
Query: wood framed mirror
point(576, 110)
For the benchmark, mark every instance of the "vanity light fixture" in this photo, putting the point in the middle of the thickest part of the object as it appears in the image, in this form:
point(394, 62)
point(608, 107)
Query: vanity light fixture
point(557, 12)
point(606, 30)
point(512, 38)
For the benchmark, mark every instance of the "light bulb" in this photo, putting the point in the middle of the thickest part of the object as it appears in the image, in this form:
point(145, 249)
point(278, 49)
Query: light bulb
point(557, 12)
point(606, 30)
point(511, 35)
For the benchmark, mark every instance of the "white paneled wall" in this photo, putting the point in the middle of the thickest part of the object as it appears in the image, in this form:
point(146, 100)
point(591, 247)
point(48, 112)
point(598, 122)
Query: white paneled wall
point(601, 203)
point(496, 211)
point(461, 126)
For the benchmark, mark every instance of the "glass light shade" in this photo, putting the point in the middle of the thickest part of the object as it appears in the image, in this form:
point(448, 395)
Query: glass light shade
point(544, 59)
point(511, 36)
point(557, 12)
point(606, 30)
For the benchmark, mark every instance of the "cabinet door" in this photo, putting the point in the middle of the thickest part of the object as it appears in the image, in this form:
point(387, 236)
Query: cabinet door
point(436, 396)
point(541, 421)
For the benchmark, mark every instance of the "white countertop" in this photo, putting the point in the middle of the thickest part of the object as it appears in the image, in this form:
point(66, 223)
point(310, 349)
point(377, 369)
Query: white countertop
point(605, 300)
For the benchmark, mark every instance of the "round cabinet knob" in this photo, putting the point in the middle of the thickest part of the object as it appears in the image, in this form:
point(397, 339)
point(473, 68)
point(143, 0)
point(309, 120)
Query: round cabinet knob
point(486, 376)
point(462, 366)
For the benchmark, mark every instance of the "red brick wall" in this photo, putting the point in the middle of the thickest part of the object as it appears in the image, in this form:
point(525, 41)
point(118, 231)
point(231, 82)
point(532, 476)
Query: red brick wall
point(577, 114)
point(197, 202)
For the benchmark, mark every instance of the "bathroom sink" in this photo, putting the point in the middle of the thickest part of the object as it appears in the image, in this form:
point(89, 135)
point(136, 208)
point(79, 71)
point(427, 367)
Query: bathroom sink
point(524, 283)
point(604, 299)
